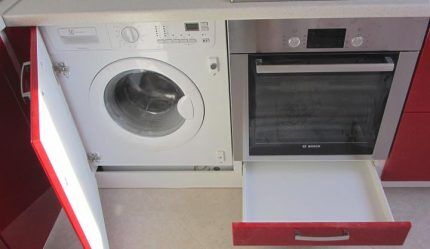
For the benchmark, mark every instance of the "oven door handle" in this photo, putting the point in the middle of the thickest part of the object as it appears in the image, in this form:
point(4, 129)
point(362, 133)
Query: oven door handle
point(387, 66)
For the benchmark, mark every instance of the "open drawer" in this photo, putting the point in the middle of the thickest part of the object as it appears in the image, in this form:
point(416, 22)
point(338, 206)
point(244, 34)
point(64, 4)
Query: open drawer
point(315, 203)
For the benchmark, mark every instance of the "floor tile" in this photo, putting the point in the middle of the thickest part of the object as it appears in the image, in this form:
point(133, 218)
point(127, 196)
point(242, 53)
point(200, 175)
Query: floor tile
point(201, 218)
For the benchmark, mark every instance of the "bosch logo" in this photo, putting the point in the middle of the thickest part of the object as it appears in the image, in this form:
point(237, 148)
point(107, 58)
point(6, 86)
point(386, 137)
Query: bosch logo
point(311, 146)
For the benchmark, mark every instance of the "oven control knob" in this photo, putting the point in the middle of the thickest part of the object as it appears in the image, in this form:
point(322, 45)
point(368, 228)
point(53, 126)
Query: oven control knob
point(130, 34)
point(357, 41)
point(294, 42)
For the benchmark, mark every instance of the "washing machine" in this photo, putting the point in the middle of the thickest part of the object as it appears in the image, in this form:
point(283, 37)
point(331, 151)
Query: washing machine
point(147, 94)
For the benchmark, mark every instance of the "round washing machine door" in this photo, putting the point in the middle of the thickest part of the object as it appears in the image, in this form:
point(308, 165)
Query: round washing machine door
point(151, 100)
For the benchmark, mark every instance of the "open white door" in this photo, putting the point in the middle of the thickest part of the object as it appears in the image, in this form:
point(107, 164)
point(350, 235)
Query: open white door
point(59, 148)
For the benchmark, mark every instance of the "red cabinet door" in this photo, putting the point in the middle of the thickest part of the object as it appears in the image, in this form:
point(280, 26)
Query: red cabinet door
point(419, 94)
point(28, 206)
point(410, 154)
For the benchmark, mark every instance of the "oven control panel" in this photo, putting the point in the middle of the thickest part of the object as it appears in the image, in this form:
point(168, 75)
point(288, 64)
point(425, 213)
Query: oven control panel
point(162, 35)
point(326, 35)
point(326, 38)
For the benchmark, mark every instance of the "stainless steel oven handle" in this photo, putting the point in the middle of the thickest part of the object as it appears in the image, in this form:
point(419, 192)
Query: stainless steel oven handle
point(387, 66)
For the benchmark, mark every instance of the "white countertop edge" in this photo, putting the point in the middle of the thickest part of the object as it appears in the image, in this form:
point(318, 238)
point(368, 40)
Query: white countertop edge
point(5, 5)
point(2, 24)
point(292, 12)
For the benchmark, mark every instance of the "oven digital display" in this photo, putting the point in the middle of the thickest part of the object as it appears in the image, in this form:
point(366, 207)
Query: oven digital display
point(326, 38)
point(192, 26)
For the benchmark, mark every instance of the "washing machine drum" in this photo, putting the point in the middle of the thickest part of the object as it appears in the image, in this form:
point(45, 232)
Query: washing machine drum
point(150, 99)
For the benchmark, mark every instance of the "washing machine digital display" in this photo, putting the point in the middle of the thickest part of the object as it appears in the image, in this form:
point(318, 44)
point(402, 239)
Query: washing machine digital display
point(192, 26)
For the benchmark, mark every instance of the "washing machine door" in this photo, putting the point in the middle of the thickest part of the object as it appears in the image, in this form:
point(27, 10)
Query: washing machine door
point(150, 99)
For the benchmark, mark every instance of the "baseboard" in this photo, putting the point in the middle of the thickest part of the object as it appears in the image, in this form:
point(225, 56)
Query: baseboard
point(406, 184)
point(171, 179)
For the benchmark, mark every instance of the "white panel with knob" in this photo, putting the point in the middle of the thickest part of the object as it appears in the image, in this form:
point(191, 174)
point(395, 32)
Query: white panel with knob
point(130, 34)
point(162, 35)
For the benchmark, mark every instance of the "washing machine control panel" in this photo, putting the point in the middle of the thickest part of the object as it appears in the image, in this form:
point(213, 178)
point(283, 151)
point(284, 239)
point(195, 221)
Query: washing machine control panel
point(162, 35)
point(155, 35)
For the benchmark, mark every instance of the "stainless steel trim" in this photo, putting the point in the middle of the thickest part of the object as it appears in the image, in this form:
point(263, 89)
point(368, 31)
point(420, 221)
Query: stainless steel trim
point(379, 34)
point(344, 236)
point(239, 96)
point(327, 68)
point(244, 1)
point(394, 107)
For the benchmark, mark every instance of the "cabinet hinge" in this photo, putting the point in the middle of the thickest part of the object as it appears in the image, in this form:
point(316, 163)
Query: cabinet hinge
point(94, 160)
point(61, 68)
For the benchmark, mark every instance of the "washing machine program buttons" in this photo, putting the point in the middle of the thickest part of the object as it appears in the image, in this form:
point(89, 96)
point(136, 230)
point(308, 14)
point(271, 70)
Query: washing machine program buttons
point(220, 156)
point(191, 40)
point(204, 26)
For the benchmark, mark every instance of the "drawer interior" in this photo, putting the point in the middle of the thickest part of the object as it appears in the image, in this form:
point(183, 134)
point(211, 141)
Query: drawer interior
point(305, 191)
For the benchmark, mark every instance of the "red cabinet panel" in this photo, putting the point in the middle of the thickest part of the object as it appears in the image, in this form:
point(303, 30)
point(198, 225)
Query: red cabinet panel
point(28, 207)
point(18, 39)
point(320, 233)
point(419, 94)
point(410, 155)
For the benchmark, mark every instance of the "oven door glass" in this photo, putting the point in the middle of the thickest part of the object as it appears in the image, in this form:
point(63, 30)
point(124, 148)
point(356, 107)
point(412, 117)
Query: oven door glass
point(317, 104)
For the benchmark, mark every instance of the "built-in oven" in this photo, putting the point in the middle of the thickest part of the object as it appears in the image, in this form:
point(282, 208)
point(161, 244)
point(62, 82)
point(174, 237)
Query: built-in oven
point(321, 88)
point(314, 102)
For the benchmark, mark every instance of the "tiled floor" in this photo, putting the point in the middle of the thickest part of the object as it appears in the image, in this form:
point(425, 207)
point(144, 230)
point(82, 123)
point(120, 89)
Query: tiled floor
point(201, 218)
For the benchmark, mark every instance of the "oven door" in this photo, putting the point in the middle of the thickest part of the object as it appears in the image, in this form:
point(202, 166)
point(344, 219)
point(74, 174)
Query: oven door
point(318, 104)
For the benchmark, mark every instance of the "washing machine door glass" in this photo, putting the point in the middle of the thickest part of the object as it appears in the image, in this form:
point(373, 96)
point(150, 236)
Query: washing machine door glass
point(144, 102)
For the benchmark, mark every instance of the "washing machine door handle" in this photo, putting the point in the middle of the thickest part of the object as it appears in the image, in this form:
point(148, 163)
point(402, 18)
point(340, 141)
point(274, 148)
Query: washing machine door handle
point(185, 107)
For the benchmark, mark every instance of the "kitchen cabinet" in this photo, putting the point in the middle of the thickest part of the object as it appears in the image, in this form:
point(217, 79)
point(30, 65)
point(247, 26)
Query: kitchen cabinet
point(307, 203)
point(419, 93)
point(409, 156)
point(19, 39)
point(28, 205)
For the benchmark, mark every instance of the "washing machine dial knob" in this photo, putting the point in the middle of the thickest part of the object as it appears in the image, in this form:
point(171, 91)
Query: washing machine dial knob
point(294, 42)
point(130, 34)
point(357, 41)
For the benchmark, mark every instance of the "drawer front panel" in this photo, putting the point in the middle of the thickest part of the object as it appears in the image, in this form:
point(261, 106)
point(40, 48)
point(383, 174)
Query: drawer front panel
point(320, 233)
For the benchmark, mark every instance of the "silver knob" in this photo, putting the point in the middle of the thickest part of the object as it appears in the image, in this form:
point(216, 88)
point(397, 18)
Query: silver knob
point(357, 41)
point(294, 42)
point(130, 34)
